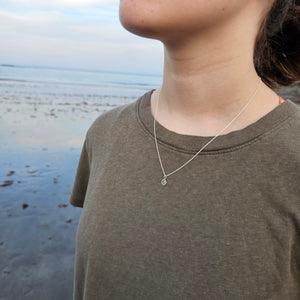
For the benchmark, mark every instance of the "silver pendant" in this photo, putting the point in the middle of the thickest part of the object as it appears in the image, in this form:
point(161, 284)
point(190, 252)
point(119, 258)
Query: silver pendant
point(164, 181)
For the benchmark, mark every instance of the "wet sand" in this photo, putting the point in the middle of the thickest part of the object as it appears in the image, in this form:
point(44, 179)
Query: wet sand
point(39, 152)
point(37, 225)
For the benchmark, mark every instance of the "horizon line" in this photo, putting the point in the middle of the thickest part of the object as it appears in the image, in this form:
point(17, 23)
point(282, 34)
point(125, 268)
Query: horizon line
point(10, 65)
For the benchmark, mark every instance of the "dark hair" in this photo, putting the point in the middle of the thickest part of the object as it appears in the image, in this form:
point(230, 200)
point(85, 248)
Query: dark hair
point(277, 45)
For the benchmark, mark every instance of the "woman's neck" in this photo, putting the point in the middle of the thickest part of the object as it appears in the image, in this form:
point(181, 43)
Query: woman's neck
point(207, 82)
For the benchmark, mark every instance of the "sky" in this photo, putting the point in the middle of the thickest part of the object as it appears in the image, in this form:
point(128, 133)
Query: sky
point(79, 34)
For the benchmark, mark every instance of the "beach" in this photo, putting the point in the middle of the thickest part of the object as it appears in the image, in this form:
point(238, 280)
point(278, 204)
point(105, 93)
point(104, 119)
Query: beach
point(43, 122)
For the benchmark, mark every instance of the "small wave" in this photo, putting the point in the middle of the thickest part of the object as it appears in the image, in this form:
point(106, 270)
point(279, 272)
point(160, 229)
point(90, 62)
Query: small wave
point(12, 80)
point(66, 84)
point(130, 83)
point(8, 66)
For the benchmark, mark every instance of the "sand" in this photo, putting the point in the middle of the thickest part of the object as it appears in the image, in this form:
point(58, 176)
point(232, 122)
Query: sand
point(39, 152)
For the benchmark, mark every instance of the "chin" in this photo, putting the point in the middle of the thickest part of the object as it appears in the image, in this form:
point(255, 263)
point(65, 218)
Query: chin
point(166, 21)
point(139, 19)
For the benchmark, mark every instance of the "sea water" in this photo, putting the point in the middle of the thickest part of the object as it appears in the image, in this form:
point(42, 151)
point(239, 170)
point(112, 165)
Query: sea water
point(50, 84)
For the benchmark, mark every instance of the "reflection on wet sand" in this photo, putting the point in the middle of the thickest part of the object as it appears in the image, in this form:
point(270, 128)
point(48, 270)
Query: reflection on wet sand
point(38, 160)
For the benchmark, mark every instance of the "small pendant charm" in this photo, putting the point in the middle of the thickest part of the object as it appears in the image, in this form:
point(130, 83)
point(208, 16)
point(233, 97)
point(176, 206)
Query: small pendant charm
point(164, 181)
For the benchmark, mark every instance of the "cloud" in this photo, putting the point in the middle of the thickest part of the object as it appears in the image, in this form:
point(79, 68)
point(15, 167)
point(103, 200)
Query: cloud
point(54, 4)
point(59, 25)
point(91, 40)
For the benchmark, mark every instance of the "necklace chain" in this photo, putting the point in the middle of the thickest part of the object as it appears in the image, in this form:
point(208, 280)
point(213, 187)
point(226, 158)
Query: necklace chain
point(164, 180)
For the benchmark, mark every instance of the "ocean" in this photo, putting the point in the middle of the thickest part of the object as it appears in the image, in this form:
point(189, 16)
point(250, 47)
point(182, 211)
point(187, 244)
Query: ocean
point(44, 84)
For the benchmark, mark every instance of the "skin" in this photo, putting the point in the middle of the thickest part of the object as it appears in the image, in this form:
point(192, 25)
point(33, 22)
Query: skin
point(209, 73)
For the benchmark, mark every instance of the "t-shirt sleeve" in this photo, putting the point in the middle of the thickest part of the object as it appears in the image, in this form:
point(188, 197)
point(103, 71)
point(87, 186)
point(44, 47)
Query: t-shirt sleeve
point(81, 178)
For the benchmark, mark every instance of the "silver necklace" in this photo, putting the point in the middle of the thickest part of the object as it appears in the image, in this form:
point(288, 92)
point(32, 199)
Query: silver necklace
point(164, 180)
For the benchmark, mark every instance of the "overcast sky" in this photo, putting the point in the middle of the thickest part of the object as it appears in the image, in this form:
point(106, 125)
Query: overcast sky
point(73, 34)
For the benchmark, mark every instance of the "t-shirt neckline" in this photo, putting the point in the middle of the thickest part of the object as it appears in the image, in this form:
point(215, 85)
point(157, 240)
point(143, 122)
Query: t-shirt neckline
point(192, 143)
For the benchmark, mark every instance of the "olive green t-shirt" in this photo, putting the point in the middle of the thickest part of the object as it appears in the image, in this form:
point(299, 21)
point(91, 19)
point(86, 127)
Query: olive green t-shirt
point(226, 226)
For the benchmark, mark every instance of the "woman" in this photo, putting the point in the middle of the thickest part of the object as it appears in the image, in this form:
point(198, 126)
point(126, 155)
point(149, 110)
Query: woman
point(192, 191)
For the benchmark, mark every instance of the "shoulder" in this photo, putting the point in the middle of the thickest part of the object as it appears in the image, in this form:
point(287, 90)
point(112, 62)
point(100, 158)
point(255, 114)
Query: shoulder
point(286, 135)
point(112, 119)
point(292, 121)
